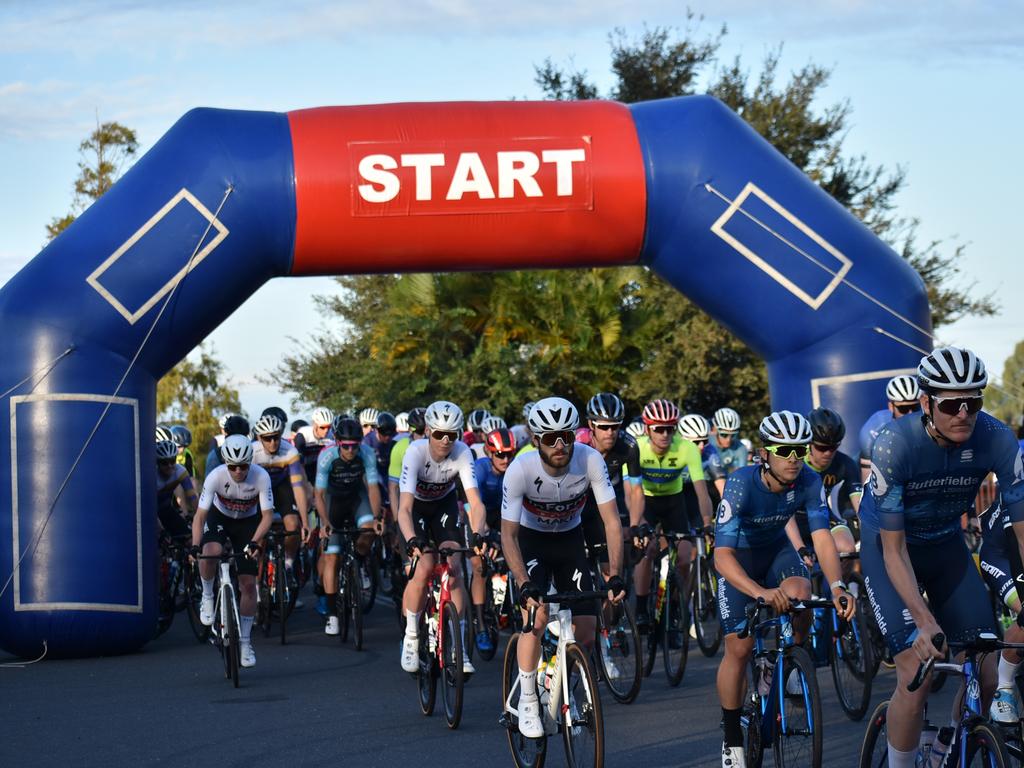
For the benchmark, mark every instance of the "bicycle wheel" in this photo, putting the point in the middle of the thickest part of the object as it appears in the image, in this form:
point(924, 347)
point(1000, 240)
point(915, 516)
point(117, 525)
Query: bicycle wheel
point(849, 657)
point(526, 753)
point(426, 675)
point(798, 732)
point(985, 747)
point(355, 606)
point(874, 750)
point(490, 627)
point(675, 635)
point(452, 680)
point(165, 617)
point(193, 597)
point(753, 747)
point(583, 724)
point(341, 607)
point(619, 651)
point(705, 608)
point(281, 597)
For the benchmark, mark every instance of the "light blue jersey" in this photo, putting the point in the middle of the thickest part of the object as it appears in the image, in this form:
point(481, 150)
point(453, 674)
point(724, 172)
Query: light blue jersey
point(869, 432)
point(722, 462)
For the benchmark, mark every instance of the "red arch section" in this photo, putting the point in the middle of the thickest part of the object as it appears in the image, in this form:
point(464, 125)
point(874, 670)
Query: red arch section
point(486, 186)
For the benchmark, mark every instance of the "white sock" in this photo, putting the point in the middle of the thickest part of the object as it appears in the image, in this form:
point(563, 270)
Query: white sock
point(289, 561)
point(412, 624)
point(207, 587)
point(899, 759)
point(527, 684)
point(1007, 671)
point(245, 631)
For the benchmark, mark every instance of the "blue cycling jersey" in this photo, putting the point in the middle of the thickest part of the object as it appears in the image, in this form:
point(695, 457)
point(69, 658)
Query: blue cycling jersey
point(721, 462)
point(869, 432)
point(922, 488)
point(994, 523)
point(488, 483)
point(750, 516)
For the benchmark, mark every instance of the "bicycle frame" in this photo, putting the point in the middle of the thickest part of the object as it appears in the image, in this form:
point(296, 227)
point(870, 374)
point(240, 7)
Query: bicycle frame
point(442, 574)
point(227, 599)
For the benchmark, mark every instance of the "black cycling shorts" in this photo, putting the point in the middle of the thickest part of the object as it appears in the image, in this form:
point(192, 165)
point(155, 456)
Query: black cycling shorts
point(284, 498)
point(670, 512)
point(561, 558)
point(220, 528)
point(438, 521)
point(171, 520)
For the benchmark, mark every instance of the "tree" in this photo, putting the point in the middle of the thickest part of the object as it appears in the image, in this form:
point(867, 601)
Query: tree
point(1006, 400)
point(195, 393)
point(103, 157)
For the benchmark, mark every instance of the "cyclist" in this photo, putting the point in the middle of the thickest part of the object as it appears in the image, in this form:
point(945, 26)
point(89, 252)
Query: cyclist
point(903, 394)
point(232, 424)
point(492, 423)
point(542, 538)
point(490, 472)
point(697, 430)
point(755, 559)
point(635, 428)
point(368, 420)
point(417, 431)
point(429, 512)
point(659, 459)
point(386, 430)
point(728, 452)
point(524, 438)
point(925, 473)
point(287, 480)
point(237, 503)
point(347, 471)
point(183, 438)
point(401, 424)
point(170, 476)
point(309, 440)
point(475, 422)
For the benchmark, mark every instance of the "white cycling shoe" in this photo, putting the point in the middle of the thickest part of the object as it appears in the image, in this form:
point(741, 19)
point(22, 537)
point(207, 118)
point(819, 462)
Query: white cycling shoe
point(247, 654)
point(530, 724)
point(733, 757)
point(206, 608)
point(411, 653)
point(467, 665)
point(333, 626)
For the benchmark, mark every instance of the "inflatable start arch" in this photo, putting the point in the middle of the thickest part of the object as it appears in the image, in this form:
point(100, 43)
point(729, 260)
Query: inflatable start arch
point(227, 200)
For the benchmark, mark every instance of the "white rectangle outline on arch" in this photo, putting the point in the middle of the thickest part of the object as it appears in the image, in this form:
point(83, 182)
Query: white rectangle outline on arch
point(133, 317)
point(69, 606)
point(851, 378)
point(812, 301)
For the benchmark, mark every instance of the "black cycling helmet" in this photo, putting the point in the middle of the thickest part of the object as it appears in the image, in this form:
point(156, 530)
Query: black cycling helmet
point(298, 424)
point(236, 425)
point(607, 407)
point(827, 426)
point(386, 424)
point(346, 429)
point(275, 411)
point(418, 420)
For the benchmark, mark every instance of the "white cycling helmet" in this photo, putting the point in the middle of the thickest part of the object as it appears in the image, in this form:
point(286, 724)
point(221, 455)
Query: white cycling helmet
point(444, 416)
point(323, 417)
point(726, 420)
point(949, 368)
point(527, 408)
point(902, 389)
point(476, 419)
point(694, 427)
point(785, 428)
point(492, 423)
point(635, 428)
point(552, 414)
point(402, 421)
point(166, 449)
point(368, 417)
point(236, 450)
point(163, 434)
point(268, 425)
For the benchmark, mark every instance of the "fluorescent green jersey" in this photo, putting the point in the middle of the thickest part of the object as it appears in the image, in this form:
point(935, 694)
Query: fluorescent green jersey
point(397, 454)
point(664, 475)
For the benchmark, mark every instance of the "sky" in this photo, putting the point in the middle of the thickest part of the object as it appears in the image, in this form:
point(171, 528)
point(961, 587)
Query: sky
point(934, 87)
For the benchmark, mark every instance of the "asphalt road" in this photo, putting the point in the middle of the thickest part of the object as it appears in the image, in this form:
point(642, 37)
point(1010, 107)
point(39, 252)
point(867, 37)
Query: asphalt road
point(315, 701)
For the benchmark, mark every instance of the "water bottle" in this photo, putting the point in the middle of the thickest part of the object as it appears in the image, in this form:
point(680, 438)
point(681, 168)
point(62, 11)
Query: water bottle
point(764, 667)
point(924, 747)
point(662, 580)
point(432, 632)
point(499, 586)
point(940, 747)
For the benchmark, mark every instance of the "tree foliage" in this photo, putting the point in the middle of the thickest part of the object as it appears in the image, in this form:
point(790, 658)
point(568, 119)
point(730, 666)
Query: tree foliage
point(1006, 401)
point(500, 339)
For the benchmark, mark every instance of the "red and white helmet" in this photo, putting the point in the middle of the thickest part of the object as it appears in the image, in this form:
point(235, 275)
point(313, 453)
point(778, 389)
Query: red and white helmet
point(661, 412)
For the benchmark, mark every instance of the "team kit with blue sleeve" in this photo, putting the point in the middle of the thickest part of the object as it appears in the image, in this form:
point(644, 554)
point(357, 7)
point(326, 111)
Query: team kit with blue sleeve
point(488, 483)
point(751, 519)
point(345, 482)
point(922, 489)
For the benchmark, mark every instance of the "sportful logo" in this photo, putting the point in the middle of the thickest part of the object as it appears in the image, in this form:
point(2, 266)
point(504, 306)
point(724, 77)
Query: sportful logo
point(966, 455)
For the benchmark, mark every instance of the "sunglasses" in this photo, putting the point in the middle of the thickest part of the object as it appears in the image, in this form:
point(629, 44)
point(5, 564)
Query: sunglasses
point(503, 454)
point(787, 451)
point(348, 446)
point(608, 427)
point(270, 438)
point(238, 467)
point(441, 436)
point(663, 430)
point(903, 410)
point(700, 443)
point(951, 406)
point(550, 439)
point(166, 462)
point(826, 447)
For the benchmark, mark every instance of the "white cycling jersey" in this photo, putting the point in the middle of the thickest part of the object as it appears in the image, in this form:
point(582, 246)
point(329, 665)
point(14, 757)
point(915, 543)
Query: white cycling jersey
point(479, 450)
point(278, 463)
point(543, 502)
point(429, 480)
point(237, 500)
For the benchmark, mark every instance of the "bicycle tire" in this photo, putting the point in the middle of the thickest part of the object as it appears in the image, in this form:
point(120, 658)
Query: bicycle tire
point(452, 678)
point(526, 753)
point(194, 596)
point(341, 602)
point(852, 674)
point(355, 607)
point(235, 640)
point(675, 630)
point(987, 741)
point(281, 596)
point(619, 645)
point(166, 605)
point(874, 750)
point(583, 724)
point(705, 608)
point(426, 675)
point(806, 710)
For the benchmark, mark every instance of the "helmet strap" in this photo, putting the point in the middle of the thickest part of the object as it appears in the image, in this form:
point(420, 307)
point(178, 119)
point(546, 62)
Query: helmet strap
point(766, 467)
point(927, 420)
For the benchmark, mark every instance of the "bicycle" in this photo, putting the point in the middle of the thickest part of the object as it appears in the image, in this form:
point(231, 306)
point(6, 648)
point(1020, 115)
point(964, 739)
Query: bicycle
point(440, 642)
point(569, 699)
point(617, 644)
point(349, 604)
point(173, 567)
point(789, 723)
point(707, 628)
point(499, 602)
point(973, 737)
point(224, 634)
point(274, 592)
point(670, 620)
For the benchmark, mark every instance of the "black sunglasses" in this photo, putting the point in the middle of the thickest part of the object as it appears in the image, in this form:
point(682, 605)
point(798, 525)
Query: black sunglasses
point(238, 467)
point(951, 406)
point(903, 410)
point(663, 430)
point(608, 427)
point(503, 454)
